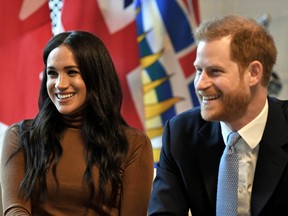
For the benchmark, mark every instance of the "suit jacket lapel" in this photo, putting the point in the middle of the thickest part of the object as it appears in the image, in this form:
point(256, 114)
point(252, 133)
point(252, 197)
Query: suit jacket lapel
point(272, 158)
point(209, 157)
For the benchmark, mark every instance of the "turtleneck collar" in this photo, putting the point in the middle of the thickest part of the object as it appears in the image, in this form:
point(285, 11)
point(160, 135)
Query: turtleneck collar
point(73, 120)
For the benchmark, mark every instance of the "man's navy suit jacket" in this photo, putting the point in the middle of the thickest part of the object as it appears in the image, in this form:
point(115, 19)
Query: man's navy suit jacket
point(188, 168)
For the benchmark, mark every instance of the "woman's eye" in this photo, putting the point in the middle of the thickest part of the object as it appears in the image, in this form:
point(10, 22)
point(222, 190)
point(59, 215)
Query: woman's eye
point(73, 72)
point(52, 73)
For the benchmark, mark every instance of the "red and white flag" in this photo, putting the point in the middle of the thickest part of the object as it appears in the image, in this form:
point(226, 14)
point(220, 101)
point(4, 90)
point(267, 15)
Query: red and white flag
point(150, 42)
point(116, 26)
point(25, 29)
point(152, 46)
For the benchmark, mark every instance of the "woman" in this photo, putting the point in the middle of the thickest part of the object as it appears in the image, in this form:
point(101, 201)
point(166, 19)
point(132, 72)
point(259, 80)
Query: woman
point(77, 156)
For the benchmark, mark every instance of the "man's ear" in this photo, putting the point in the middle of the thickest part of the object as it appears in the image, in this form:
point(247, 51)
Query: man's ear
point(256, 72)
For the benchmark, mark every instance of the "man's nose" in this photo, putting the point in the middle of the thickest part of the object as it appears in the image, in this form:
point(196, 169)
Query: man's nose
point(202, 81)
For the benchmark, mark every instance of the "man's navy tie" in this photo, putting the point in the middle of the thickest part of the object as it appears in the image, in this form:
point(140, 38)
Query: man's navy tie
point(227, 190)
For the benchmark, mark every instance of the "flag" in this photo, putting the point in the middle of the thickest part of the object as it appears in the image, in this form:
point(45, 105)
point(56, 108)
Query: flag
point(152, 46)
point(114, 22)
point(167, 51)
point(150, 42)
point(25, 29)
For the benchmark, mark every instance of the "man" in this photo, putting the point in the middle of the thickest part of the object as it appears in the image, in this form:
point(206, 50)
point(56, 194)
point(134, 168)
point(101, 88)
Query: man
point(233, 65)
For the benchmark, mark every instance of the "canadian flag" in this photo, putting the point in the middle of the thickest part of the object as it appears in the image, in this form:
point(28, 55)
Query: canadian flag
point(152, 45)
point(150, 41)
point(25, 29)
point(116, 26)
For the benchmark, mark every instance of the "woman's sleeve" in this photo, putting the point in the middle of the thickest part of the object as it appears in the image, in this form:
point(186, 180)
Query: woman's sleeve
point(138, 176)
point(12, 172)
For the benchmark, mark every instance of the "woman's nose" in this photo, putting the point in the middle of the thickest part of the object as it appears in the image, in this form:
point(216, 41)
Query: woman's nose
point(62, 82)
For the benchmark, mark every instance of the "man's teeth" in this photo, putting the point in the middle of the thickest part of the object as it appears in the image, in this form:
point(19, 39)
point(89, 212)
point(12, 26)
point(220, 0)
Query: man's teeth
point(64, 96)
point(212, 97)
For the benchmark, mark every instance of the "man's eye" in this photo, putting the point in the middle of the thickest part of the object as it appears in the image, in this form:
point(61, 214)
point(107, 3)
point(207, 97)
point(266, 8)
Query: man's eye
point(216, 71)
point(198, 71)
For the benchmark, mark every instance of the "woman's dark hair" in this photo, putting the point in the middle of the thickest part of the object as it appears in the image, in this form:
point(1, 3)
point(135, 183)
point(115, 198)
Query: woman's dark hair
point(102, 127)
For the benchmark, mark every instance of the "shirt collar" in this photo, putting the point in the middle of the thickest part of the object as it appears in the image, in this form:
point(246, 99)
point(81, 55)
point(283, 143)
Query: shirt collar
point(252, 132)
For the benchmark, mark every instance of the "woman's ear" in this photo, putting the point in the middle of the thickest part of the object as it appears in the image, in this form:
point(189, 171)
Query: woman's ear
point(256, 72)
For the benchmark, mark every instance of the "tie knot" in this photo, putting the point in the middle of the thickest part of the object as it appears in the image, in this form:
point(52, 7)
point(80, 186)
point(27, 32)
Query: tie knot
point(233, 137)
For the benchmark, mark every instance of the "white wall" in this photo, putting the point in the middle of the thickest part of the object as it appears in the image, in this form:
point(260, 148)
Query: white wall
point(278, 26)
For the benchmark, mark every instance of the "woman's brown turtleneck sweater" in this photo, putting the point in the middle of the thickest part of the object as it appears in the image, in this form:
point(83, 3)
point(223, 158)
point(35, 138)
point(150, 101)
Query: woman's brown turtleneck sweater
point(72, 195)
